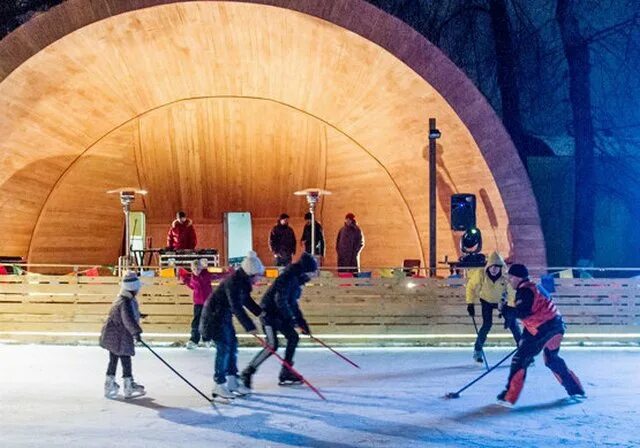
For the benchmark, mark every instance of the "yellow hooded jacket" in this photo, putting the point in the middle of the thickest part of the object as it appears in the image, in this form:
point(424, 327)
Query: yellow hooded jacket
point(480, 286)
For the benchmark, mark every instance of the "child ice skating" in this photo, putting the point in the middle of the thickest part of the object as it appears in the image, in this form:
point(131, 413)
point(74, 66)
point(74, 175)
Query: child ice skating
point(230, 298)
point(492, 289)
point(117, 336)
point(544, 330)
point(199, 280)
point(282, 313)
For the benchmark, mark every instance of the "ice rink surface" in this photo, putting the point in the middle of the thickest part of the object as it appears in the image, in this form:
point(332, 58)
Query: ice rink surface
point(52, 396)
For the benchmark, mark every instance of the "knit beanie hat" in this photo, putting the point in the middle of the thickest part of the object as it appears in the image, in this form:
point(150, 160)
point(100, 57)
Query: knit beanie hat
point(252, 265)
point(130, 282)
point(307, 263)
point(519, 270)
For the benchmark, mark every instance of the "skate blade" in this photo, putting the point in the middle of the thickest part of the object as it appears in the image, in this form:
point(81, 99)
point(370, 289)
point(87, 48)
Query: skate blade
point(504, 404)
point(578, 398)
point(135, 395)
point(289, 383)
point(221, 400)
point(240, 395)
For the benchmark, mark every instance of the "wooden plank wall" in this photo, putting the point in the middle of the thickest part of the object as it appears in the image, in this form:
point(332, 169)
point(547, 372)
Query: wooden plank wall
point(275, 109)
point(378, 307)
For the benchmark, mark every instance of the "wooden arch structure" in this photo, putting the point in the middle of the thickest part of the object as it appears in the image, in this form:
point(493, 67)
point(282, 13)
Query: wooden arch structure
point(218, 106)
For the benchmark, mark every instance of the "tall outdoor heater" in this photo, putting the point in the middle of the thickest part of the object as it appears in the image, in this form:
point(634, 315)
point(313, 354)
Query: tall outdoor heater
point(313, 196)
point(127, 196)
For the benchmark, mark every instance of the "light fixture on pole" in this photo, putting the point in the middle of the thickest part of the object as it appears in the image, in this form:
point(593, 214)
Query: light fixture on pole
point(313, 196)
point(434, 134)
point(127, 196)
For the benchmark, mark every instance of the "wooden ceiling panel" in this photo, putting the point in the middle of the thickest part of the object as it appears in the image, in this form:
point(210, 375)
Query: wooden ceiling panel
point(233, 106)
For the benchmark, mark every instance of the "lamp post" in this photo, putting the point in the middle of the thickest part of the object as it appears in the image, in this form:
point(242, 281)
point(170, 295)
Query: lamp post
point(127, 197)
point(434, 134)
point(313, 196)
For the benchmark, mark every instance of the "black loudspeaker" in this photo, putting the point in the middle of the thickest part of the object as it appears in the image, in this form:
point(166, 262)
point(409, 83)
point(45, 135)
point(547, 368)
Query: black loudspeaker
point(463, 211)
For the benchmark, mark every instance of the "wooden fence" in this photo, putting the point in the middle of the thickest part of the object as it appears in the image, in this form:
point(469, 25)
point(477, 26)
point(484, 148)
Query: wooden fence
point(409, 310)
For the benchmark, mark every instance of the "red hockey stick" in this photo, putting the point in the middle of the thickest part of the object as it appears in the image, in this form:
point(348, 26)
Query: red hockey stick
point(288, 366)
point(334, 351)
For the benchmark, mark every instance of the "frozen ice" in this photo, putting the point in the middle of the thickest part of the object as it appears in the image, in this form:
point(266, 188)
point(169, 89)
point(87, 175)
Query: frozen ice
point(52, 396)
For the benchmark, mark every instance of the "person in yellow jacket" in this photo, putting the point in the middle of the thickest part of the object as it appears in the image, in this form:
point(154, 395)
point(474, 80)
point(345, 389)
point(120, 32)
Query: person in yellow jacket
point(491, 287)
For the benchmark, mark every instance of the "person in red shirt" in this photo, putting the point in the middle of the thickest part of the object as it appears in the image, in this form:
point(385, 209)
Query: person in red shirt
point(543, 331)
point(181, 235)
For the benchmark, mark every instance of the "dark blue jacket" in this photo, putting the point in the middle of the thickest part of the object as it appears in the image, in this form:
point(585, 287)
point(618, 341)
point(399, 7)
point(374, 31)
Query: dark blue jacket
point(280, 302)
point(229, 298)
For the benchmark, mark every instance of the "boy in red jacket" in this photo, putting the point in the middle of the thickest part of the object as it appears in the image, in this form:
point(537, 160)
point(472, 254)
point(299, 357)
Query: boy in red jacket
point(543, 331)
point(199, 280)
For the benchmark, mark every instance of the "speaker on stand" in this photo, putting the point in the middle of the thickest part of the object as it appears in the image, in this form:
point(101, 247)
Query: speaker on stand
point(463, 218)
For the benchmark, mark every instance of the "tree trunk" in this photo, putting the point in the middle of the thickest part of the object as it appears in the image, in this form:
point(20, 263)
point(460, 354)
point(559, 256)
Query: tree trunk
point(576, 50)
point(507, 74)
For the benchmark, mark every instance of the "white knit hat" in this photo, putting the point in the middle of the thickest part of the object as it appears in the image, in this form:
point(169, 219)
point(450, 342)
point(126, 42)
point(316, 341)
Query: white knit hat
point(252, 264)
point(130, 282)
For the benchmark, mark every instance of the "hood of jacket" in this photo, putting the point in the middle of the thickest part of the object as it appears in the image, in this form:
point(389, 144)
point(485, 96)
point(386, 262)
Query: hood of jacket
point(177, 223)
point(495, 259)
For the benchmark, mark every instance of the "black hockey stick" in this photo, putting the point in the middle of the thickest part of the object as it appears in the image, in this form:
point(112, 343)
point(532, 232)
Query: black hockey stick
point(457, 394)
point(484, 357)
point(210, 400)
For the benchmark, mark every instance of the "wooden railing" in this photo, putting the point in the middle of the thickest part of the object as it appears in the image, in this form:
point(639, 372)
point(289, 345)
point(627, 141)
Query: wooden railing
point(73, 308)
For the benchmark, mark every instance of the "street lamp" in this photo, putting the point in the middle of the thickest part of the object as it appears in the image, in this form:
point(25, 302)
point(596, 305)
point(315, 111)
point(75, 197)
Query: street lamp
point(313, 196)
point(127, 196)
point(434, 134)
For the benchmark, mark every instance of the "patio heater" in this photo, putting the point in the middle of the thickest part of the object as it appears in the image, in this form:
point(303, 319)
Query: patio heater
point(313, 196)
point(127, 197)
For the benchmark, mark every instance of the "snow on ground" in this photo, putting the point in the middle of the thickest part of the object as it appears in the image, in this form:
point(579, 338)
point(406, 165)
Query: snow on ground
point(52, 396)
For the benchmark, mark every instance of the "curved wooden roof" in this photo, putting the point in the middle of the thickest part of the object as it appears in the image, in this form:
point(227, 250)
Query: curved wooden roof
point(219, 106)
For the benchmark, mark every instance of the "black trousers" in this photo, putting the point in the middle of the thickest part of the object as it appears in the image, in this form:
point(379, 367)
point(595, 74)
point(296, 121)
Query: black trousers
point(113, 364)
point(195, 323)
point(487, 323)
point(270, 330)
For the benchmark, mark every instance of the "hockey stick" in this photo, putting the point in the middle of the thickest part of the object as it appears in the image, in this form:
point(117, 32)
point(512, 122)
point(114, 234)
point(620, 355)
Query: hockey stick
point(210, 400)
point(288, 366)
point(484, 357)
point(457, 394)
point(334, 351)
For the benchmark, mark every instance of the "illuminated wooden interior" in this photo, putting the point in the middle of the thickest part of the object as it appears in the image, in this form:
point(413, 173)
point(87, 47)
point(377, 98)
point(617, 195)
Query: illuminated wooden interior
point(233, 106)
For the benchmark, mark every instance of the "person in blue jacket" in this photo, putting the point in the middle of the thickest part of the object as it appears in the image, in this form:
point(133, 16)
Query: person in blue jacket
point(227, 300)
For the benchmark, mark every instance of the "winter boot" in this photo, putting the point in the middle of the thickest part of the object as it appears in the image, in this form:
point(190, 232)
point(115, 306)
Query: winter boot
point(477, 356)
point(287, 378)
point(247, 375)
point(191, 345)
point(222, 390)
point(132, 389)
point(111, 388)
point(236, 386)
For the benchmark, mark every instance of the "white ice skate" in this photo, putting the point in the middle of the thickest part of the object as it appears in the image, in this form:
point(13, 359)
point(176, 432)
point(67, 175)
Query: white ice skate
point(111, 388)
point(236, 386)
point(222, 391)
point(501, 400)
point(191, 345)
point(132, 389)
